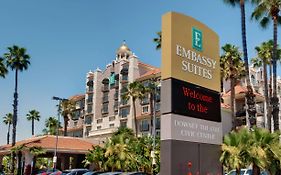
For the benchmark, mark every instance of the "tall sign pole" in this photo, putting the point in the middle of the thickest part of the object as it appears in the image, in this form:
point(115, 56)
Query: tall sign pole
point(190, 98)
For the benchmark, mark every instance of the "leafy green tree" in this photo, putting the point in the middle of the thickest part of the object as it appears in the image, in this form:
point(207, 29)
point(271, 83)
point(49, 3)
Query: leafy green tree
point(264, 12)
point(32, 116)
point(158, 40)
point(8, 120)
point(232, 68)
point(135, 91)
point(3, 68)
point(67, 107)
point(250, 97)
point(17, 59)
point(51, 126)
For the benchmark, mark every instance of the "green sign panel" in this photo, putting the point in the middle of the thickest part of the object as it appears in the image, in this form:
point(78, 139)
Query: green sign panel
point(197, 39)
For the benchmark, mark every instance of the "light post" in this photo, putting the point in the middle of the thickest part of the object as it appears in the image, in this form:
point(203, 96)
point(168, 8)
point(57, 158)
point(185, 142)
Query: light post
point(154, 126)
point(57, 130)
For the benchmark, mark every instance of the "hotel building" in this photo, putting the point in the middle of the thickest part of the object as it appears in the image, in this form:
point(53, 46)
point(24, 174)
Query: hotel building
point(101, 110)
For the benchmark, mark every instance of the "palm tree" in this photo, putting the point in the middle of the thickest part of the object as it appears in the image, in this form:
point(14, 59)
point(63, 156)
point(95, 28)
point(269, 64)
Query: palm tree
point(51, 125)
point(3, 69)
point(96, 156)
point(264, 56)
point(250, 97)
point(233, 150)
point(8, 120)
point(232, 68)
point(119, 152)
point(32, 116)
point(158, 40)
point(263, 12)
point(18, 60)
point(151, 90)
point(264, 150)
point(67, 107)
point(135, 91)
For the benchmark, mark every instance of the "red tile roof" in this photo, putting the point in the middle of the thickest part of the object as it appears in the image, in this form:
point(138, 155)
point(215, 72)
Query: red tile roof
point(77, 97)
point(151, 72)
point(65, 144)
point(239, 90)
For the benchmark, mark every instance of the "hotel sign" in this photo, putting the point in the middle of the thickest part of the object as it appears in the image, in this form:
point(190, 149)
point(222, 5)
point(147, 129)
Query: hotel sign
point(194, 101)
point(190, 51)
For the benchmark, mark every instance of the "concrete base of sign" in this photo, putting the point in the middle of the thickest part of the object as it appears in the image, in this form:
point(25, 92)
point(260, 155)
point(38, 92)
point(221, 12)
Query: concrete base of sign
point(183, 157)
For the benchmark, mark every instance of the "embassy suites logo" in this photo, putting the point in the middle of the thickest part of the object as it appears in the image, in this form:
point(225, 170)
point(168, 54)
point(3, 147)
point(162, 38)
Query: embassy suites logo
point(197, 39)
point(204, 65)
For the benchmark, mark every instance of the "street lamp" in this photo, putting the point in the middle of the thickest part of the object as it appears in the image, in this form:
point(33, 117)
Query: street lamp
point(57, 130)
point(154, 125)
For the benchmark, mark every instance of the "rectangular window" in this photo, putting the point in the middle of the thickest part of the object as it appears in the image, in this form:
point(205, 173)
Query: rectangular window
point(99, 120)
point(98, 127)
point(105, 97)
point(125, 77)
point(88, 120)
point(89, 109)
point(145, 109)
point(158, 124)
point(75, 123)
point(145, 100)
point(88, 129)
point(123, 123)
point(90, 98)
point(157, 106)
point(111, 118)
point(111, 125)
point(104, 108)
point(144, 125)
point(124, 112)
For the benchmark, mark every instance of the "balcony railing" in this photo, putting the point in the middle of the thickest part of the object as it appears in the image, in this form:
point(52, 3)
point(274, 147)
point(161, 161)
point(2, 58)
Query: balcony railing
point(105, 88)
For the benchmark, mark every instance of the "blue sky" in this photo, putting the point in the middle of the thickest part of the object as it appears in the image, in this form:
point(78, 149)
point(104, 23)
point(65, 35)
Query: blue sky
point(67, 38)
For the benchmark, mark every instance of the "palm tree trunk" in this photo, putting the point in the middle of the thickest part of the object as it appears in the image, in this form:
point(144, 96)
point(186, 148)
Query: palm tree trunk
point(256, 169)
point(15, 106)
point(274, 99)
point(232, 105)
point(250, 97)
point(65, 125)
point(152, 102)
point(268, 115)
point(32, 121)
point(135, 117)
point(8, 134)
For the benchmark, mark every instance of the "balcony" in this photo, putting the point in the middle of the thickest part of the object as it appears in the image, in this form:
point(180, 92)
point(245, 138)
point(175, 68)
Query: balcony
point(105, 99)
point(90, 90)
point(105, 88)
point(90, 100)
point(116, 95)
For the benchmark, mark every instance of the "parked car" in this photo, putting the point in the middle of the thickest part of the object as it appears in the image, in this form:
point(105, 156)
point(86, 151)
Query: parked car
point(247, 172)
point(93, 173)
point(75, 172)
point(47, 172)
point(112, 173)
point(134, 173)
